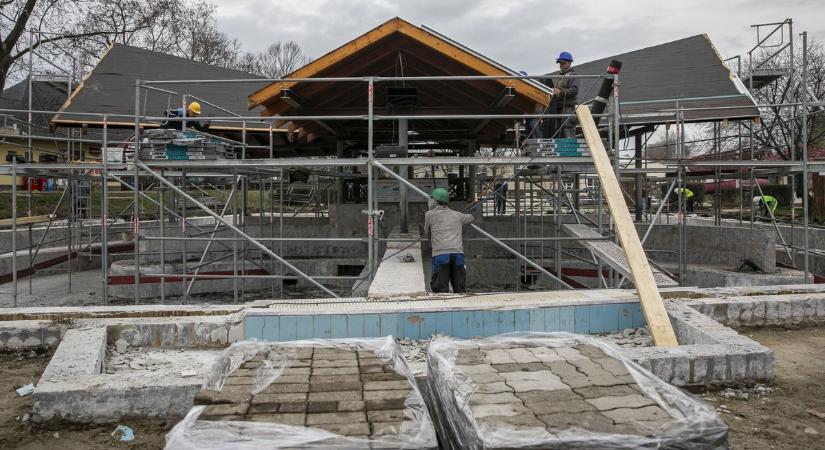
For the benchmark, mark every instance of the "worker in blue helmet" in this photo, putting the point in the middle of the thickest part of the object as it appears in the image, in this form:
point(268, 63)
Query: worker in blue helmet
point(565, 98)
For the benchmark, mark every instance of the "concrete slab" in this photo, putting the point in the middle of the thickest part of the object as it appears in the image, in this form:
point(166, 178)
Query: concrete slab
point(76, 388)
point(400, 272)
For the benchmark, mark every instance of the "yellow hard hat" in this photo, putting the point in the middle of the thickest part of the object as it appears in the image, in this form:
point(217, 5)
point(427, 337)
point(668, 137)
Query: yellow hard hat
point(195, 108)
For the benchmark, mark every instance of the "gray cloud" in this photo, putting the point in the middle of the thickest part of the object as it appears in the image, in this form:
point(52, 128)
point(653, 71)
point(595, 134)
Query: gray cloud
point(522, 34)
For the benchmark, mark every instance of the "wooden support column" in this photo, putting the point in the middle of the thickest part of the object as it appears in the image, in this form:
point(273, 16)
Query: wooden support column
point(471, 182)
point(339, 180)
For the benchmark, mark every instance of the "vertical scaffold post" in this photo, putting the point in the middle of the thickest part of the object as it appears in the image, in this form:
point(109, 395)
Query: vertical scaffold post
point(136, 198)
point(370, 181)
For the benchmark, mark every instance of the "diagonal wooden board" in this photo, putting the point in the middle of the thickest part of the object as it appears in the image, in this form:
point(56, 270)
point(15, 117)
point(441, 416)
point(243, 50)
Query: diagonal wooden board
point(652, 305)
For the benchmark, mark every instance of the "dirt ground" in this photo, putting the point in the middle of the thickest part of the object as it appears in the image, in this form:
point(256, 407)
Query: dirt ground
point(19, 369)
point(793, 414)
point(788, 415)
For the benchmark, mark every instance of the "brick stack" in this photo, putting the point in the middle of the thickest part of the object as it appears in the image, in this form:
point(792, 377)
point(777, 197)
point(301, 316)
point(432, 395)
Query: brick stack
point(508, 393)
point(344, 390)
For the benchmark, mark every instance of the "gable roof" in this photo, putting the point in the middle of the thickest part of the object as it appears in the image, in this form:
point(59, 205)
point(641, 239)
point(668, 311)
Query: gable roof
point(110, 88)
point(46, 96)
point(687, 70)
point(396, 48)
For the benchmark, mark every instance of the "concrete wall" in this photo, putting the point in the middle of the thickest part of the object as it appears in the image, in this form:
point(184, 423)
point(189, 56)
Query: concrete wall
point(709, 245)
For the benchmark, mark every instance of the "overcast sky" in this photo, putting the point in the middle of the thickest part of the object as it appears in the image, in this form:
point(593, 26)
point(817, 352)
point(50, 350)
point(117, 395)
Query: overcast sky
point(522, 34)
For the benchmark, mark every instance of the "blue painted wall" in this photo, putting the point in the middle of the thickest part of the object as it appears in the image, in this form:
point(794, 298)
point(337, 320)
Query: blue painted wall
point(584, 319)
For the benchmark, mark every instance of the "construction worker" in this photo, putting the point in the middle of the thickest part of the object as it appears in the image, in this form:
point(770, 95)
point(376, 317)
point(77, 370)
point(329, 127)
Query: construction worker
point(765, 202)
point(443, 226)
point(565, 97)
point(500, 190)
point(192, 110)
point(687, 194)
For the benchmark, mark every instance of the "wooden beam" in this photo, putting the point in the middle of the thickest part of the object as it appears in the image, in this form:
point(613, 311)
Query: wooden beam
point(296, 102)
point(652, 305)
point(30, 220)
point(327, 60)
point(397, 25)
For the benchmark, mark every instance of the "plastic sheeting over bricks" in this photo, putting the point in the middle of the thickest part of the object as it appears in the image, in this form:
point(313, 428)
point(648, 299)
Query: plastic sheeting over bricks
point(559, 390)
point(349, 393)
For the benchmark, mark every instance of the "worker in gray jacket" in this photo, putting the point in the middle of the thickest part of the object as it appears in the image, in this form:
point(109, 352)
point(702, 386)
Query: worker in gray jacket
point(443, 226)
point(565, 98)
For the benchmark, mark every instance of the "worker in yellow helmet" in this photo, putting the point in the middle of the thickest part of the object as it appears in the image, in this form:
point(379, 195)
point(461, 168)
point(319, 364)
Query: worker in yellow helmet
point(192, 110)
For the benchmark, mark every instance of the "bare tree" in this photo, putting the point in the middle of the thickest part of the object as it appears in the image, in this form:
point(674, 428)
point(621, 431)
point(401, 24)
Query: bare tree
point(248, 62)
point(74, 33)
point(780, 127)
point(665, 147)
point(30, 25)
point(280, 59)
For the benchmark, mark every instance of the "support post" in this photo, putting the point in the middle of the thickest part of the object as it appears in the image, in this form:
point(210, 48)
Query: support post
point(136, 198)
point(639, 177)
point(370, 182)
point(805, 187)
point(339, 179)
point(402, 189)
point(472, 146)
point(104, 212)
point(14, 231)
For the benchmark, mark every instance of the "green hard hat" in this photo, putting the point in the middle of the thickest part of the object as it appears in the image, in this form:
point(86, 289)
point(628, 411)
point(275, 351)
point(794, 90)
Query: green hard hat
point(440, 195)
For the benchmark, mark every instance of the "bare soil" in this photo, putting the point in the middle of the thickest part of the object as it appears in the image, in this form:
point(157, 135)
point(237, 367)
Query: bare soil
point(18, 369)
point(779, 420)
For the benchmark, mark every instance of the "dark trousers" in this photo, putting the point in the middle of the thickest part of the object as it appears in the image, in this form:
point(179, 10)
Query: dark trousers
point(449, 269)
point(501, 202)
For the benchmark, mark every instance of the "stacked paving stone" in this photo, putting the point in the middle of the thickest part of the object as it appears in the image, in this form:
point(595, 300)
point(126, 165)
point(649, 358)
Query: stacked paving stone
point(351, 392)
point(519, 393)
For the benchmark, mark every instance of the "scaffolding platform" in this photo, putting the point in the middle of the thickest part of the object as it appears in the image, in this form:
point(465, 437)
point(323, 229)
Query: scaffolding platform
point(612, 254)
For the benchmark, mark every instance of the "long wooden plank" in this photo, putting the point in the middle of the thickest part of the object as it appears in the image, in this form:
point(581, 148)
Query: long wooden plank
point(24, 221)
point(652, 305)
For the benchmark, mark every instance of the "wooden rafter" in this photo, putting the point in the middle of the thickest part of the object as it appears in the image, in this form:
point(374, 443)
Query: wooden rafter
point(397, 25)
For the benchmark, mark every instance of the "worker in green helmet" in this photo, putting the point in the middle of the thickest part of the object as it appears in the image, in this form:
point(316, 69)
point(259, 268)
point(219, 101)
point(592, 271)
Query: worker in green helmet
point(765, 203)
point(443, 227)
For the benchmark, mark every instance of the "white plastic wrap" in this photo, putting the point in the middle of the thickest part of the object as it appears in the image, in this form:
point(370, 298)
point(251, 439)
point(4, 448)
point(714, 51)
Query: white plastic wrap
point(470, 382)
point(270, 363)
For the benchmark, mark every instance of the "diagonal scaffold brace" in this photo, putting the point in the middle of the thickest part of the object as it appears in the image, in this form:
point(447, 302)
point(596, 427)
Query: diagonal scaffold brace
point(220, 219)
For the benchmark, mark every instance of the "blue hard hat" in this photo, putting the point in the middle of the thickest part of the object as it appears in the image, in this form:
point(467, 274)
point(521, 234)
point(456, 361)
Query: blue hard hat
point(565, 56)
point(523, 72)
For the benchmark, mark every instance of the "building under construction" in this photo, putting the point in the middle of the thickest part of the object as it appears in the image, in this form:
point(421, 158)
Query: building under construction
point(298, 214)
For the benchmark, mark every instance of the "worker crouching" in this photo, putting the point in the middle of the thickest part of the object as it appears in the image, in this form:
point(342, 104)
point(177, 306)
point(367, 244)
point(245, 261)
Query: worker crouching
point(443, 226)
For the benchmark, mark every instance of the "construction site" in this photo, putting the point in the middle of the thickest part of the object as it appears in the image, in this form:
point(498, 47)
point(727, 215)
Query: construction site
point(261, 275)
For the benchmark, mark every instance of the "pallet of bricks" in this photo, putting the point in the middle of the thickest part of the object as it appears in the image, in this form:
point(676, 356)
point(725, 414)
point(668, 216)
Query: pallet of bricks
point(173, 145)
point(563, 147)
point(353, 393)
point(559, 391)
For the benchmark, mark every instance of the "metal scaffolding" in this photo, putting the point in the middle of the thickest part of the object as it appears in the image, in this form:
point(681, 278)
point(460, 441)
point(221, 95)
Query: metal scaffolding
point(546, 188)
